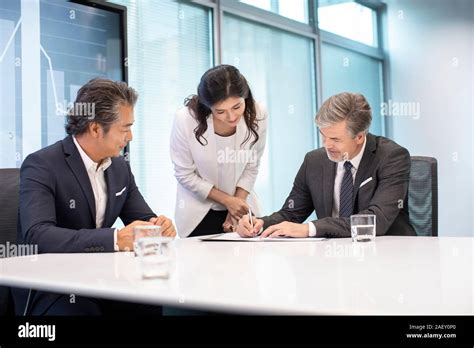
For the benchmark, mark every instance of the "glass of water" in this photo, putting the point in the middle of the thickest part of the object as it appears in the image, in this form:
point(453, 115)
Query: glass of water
point(362, 228)
point(144, 231)
point(155, 257)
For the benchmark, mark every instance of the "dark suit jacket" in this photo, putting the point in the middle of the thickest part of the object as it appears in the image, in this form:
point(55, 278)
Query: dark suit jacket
point(57, 210)
point(387, 163)
point(57, 206)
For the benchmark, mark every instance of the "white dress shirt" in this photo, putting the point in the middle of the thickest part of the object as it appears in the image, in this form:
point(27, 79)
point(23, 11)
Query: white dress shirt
point(225, 167)
point(99, 186)
point(355, 161)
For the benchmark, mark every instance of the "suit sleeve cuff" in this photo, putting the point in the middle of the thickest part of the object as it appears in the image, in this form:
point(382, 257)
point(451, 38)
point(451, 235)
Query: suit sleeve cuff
point(312, 229)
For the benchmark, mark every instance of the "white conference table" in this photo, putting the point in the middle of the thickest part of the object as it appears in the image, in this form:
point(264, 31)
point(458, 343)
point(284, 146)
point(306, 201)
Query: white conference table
point(390, 276)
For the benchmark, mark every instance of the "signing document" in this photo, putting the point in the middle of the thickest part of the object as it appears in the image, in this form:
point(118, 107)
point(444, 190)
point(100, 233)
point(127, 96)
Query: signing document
point(234, 237)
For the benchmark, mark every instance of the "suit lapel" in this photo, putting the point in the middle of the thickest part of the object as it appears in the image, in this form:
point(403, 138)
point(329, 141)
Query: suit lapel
point(365, 166)
point(240, 134)
point(211, 148)
point(329, 174)
point(110, 180)
point(74, 160)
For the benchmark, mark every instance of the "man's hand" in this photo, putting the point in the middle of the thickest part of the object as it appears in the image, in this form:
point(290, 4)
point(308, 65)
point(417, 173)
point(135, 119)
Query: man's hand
point(125, 236)
point(166, 224)
point(245, 229)
point(287, 229)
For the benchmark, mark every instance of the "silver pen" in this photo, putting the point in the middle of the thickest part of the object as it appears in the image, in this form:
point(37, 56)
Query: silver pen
point(251, 223)
point(250, 215)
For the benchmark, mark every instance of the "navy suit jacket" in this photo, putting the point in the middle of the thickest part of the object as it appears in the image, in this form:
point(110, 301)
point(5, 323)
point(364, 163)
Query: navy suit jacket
point(57, 206)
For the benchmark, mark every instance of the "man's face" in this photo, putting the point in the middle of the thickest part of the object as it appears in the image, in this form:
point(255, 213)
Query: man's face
point(229, 111)
point(339, 143)
point(119, 134)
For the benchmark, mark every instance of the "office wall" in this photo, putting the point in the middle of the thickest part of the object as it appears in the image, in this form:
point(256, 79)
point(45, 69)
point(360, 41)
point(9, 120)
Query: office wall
point(429, 45)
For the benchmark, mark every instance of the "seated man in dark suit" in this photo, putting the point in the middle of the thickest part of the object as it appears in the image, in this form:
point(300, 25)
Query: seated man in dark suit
point(73, 191)
point(355, 173)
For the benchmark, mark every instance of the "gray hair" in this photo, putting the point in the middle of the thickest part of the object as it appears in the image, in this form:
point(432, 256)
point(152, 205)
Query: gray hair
point(100, 99)
point(350, 107)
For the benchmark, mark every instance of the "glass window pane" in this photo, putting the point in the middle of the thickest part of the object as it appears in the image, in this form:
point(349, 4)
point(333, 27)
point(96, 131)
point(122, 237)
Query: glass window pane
point(45, 56)
point(348, 19)
point(293, 9)
point(166, 60)
point(279, 68)
point(347, 71)
point(263, 4)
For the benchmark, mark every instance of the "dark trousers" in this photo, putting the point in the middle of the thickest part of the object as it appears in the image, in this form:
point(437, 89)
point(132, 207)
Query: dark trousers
point(210, 224)
point(46, 303)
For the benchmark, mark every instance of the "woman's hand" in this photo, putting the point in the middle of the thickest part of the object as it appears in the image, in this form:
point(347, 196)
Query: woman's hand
point(237, 207)
point(229, 224)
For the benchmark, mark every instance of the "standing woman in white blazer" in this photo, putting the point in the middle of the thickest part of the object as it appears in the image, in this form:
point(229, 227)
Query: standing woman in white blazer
point(217, 142)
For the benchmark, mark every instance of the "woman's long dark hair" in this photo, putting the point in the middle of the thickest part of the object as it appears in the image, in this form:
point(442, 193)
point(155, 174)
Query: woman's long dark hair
point(216, 85)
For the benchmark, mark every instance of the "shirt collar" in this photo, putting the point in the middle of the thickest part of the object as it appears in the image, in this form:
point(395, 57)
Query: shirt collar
point(88, 162)
point(357, 158)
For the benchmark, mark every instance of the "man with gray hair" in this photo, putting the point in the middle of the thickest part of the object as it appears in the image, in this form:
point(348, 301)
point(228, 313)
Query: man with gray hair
point(72, 192)
point(354, 173)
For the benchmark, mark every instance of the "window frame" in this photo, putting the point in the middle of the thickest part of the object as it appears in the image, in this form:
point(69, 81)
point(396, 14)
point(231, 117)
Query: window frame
point(310, 30)
point(377, 53)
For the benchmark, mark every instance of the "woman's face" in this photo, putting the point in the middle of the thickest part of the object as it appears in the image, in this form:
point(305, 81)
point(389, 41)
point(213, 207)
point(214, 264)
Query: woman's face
point(229, 111)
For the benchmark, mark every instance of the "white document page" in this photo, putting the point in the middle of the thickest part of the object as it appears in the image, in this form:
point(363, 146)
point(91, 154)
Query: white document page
point(234, 237)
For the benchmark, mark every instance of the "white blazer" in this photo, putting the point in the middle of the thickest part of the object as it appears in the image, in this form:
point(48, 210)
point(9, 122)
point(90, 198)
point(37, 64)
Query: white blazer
point(195, 167)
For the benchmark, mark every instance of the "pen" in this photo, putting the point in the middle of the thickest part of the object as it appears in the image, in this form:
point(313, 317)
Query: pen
point(251, 223)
